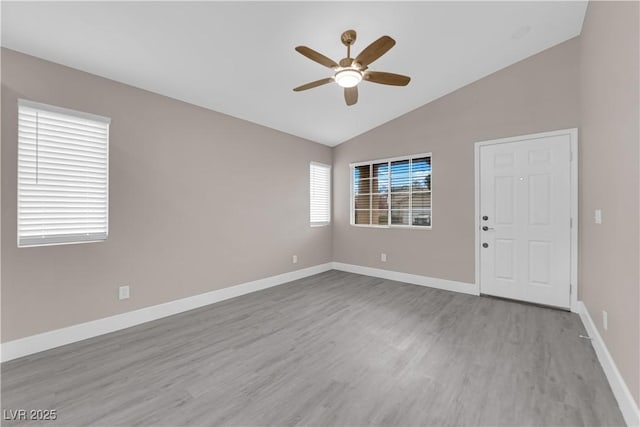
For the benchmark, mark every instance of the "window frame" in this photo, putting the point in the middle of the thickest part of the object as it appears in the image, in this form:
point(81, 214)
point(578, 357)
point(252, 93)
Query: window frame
point(80, 115)
point(329, 169)
point(389, 160)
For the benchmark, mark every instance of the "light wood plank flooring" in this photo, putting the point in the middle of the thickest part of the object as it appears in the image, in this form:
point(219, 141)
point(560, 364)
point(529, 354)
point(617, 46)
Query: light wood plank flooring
point(333, 349)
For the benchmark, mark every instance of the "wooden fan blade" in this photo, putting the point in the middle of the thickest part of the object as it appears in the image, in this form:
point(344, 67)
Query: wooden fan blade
point(317, 57)
point(314, 84)
point(375, 50)
point(387, 78)
point(351, 95)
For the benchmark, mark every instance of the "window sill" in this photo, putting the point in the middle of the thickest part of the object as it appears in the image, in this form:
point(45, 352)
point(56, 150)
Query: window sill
point(391, 227)
point(44, 244)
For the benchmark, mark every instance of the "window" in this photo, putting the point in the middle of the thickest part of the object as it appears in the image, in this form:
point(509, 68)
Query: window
point(392, 193)
point(62, 175)
point(320, 192)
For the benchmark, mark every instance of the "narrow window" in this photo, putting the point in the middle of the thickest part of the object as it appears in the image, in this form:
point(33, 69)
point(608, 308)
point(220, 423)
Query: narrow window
point(63, 171)
point(320, 193)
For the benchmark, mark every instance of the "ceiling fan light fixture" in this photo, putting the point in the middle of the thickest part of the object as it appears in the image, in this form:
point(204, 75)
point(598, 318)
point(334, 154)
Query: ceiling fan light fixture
point(348, 77)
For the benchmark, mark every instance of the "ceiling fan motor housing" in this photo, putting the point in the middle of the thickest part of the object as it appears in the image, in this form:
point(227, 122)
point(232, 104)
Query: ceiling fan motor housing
point(348, 37)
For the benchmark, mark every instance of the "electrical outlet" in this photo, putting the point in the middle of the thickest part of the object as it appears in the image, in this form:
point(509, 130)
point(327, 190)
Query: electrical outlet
point(605, 320)
point(123, 292)
point(383, 257)
point(597, 216)
point(295, 259)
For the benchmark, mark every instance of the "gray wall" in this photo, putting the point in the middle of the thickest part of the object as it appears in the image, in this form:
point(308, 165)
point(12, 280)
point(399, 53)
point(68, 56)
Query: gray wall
point(609, 116)
point(198, 201)
point(535, 95)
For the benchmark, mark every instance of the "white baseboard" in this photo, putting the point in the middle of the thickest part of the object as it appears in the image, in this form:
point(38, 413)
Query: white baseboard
point(627, 404)
point(59, 337)
point(415, 279)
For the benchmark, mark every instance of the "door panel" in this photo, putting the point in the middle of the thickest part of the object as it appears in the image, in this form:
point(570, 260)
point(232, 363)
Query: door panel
point(539, 199)
point(525, 193)
point(540, 262)
point(504, 200)
point(505, 249)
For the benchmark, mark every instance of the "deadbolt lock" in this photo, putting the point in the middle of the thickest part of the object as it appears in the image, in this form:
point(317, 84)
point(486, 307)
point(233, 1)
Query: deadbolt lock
point(485, 245)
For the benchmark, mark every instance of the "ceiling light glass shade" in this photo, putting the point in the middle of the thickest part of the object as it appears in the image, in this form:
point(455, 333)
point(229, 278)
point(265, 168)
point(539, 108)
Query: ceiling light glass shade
point(348, 77)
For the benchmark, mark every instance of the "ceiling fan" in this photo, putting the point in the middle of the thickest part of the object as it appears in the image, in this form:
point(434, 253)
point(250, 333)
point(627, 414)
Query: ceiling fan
point(349, 71)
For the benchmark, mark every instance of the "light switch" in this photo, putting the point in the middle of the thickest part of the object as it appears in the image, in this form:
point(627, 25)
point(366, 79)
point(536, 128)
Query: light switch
point(597, 216)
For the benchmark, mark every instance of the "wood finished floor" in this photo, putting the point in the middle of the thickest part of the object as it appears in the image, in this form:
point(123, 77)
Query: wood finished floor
point(332, 349)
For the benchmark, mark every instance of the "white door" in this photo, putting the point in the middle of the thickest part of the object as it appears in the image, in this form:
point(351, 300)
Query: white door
point(525, 214)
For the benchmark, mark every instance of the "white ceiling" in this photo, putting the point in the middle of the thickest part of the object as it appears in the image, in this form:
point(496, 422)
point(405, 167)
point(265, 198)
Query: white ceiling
point(238, 57)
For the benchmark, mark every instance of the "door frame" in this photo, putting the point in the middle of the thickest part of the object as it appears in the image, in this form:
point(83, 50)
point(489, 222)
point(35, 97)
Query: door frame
point(573, 135)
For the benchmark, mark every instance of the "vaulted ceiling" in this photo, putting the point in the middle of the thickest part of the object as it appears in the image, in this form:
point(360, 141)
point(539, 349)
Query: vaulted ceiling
point(238, 58)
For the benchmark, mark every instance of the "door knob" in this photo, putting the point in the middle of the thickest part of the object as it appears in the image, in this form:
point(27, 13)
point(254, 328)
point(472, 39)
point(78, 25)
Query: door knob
point(485, 245)
point(485, 228)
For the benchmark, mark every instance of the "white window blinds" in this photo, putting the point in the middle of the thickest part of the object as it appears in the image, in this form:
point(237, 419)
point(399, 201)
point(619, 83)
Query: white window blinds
point(63, 172)
point(320, 187)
